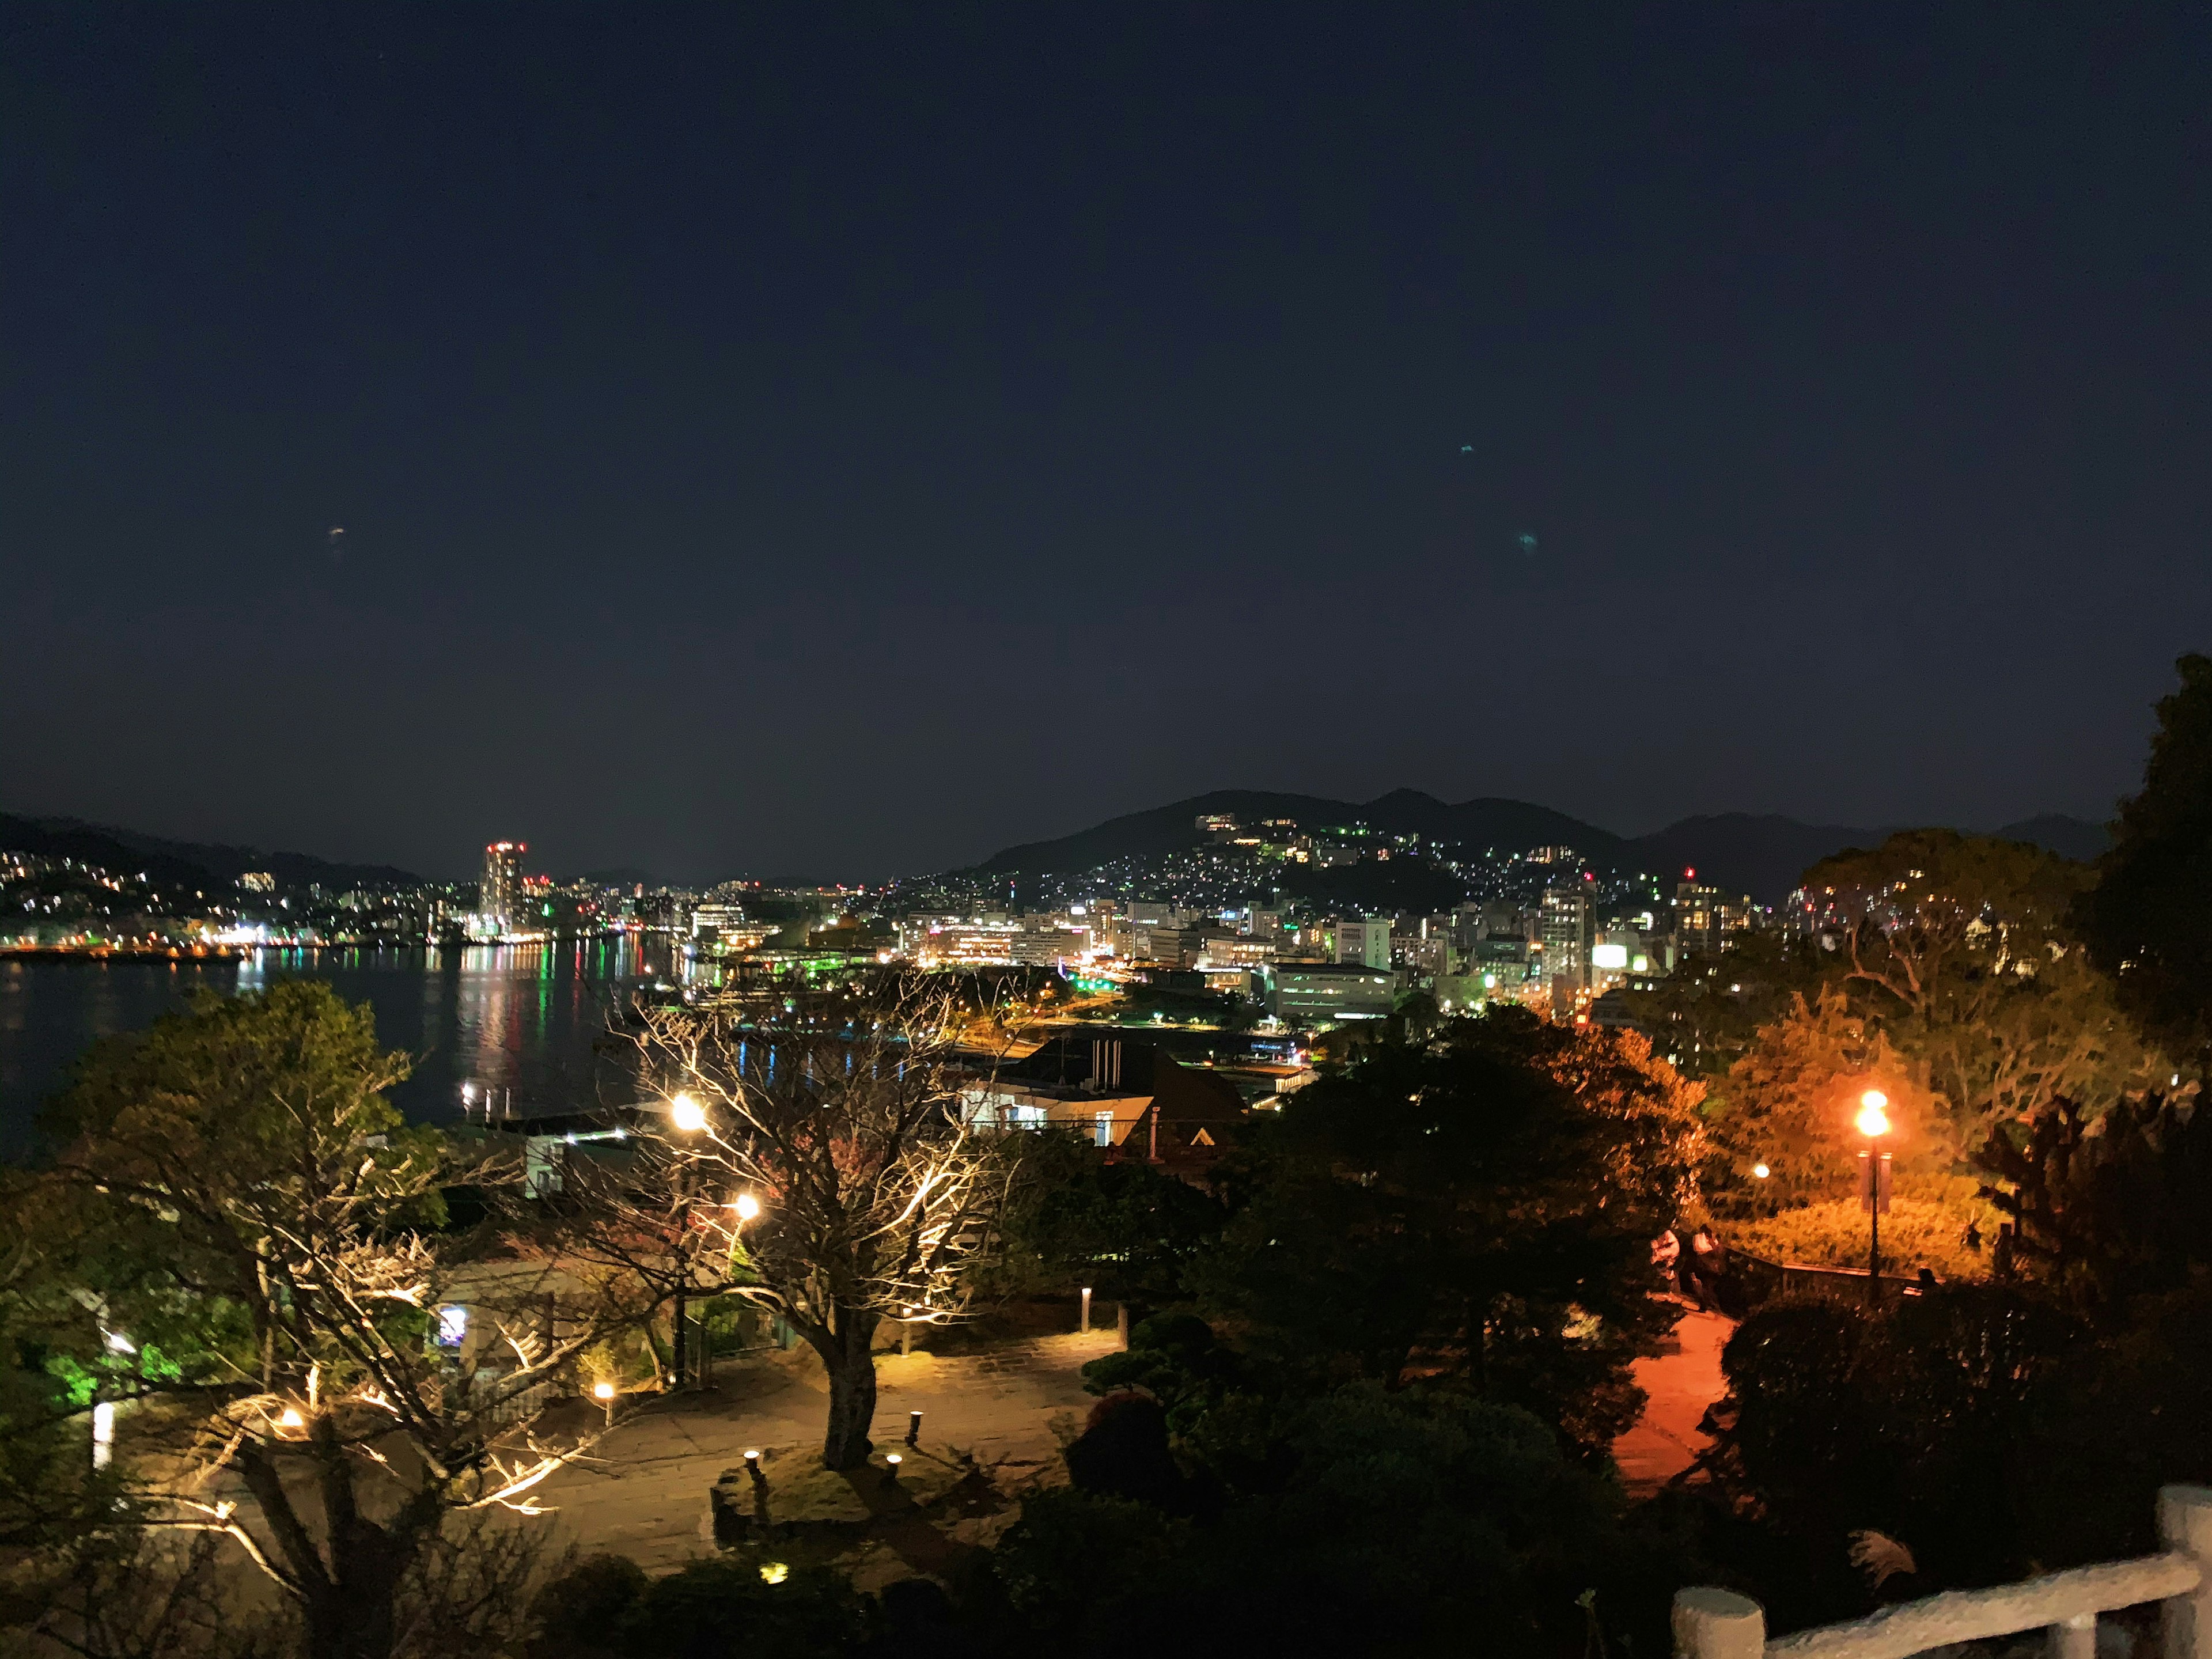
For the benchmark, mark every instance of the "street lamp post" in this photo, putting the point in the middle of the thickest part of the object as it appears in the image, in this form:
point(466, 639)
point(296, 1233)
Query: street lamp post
point(690, 1117)
point(1874, 1182)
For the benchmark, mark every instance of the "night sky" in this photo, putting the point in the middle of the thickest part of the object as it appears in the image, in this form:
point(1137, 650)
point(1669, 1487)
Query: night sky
point(844, 440)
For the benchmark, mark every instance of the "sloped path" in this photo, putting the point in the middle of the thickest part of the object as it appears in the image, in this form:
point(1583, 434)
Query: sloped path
point(1683, 1382)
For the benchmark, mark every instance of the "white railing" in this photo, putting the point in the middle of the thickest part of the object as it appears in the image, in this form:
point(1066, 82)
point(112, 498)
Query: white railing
point(1718, 1624)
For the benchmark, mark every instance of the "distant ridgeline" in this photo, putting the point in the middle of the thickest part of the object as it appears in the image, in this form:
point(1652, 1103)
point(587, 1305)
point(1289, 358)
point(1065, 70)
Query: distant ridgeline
point(1762, 855)
point(183, 867)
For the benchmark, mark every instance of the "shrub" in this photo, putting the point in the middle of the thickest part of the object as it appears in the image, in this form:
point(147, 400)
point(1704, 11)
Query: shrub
point(1917, 1233)
point(578, 1614)
point(727, 1609)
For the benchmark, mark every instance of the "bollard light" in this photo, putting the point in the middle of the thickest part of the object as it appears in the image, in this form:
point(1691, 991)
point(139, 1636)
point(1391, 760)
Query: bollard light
point(914, 1428)
point(1085, 1326)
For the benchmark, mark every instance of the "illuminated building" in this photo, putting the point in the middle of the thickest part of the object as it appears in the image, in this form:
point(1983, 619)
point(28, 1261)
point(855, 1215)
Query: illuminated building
point(499, 895)
point(1367, 943)
point(1704, 917)
point(1325, 992)
point(1123, 1093)
point(1227, 949)
point(1567, 937)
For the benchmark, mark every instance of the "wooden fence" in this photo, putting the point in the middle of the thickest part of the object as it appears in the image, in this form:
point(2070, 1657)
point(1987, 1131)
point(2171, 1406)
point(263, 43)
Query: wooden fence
point(1718, 1624)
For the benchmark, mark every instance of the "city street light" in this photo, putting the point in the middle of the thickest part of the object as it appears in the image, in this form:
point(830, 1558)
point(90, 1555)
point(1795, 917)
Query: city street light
point(1874, 1182)
point(690, 1117)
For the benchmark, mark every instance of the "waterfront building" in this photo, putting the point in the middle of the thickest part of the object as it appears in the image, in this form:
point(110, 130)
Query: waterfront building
point(499, 896)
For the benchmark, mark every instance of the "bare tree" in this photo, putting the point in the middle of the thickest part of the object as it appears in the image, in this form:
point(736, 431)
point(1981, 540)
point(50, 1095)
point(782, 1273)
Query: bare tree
point(341, 1375)
point(818, 1163)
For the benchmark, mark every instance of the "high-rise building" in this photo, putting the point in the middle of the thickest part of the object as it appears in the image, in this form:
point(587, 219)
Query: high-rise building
point(499, 896)
point(1568, 935)
point(1706, 917)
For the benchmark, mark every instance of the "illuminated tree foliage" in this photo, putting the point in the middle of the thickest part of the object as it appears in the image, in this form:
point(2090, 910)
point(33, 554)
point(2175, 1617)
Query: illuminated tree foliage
point(232, 1189)
point(1959, 947)
point(1787, 1106)
point(876, 1198)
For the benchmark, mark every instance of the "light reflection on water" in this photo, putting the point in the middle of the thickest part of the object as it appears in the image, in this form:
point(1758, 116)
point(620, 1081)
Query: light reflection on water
point(516, 1022)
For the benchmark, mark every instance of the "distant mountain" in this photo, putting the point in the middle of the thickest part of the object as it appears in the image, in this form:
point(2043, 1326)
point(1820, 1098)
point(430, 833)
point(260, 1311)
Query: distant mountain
point(1762, 854)
point(181, 864)
point(2069, 837)
point(1486, 822)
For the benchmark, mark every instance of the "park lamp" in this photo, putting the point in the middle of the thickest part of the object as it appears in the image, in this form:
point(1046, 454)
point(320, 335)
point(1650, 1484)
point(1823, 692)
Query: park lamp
point(746, 1205)
point(1874, 1113)
point(687, 1114)
point(603, 1391)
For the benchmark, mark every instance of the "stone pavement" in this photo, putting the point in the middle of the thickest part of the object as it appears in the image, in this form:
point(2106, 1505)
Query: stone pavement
point(1682, 1381)
point(1010, 1406)
point(645, 1494)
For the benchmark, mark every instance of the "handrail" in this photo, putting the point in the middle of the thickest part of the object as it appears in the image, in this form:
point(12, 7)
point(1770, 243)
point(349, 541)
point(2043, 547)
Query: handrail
point(1977, 1615)
point(1718, 1624)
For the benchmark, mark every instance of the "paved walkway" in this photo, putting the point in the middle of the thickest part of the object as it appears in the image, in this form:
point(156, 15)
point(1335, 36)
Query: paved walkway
point(1012, 1407)
point(1682, 1381)
point(646, 1495)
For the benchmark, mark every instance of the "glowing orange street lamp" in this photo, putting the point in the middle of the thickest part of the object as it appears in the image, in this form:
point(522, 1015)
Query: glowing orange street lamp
point(1873, 1122)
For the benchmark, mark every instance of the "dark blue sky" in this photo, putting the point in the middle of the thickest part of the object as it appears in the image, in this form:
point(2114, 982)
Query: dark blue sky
point(841, 439)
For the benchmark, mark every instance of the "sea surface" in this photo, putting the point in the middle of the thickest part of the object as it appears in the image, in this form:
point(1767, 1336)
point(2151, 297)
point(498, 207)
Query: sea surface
point(513, 1024)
